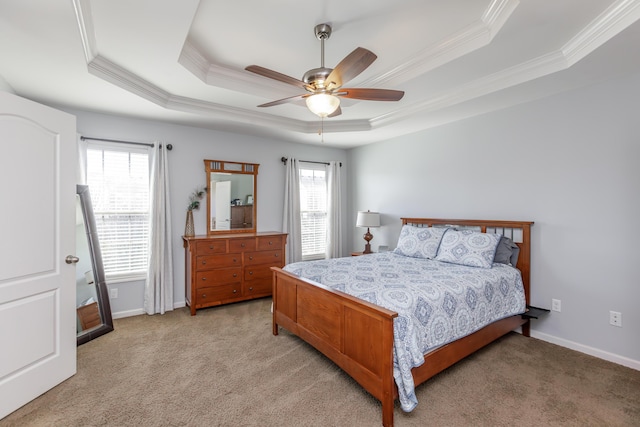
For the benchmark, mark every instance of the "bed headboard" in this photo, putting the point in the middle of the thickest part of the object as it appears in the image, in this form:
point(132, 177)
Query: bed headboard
point(518, 231)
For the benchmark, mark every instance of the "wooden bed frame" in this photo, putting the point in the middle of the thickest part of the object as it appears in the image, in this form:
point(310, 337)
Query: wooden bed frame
point(358, 335)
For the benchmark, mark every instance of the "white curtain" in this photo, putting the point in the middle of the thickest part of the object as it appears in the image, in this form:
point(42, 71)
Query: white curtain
point(82, 160)
point(334, 209)
point(158, 293)
point(291, 217)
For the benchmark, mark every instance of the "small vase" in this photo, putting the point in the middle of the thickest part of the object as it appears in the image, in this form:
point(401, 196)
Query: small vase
point(189, 230)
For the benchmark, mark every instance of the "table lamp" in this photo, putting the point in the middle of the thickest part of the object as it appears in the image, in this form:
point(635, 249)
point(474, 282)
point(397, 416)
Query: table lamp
point(368, 219)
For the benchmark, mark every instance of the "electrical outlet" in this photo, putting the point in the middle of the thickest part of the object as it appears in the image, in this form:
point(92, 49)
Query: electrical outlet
point(615, 318)
point(556, 305)
point(113, 293)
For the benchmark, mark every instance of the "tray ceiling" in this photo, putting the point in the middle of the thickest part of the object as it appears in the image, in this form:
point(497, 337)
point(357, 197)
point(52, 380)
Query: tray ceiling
point(183, 62)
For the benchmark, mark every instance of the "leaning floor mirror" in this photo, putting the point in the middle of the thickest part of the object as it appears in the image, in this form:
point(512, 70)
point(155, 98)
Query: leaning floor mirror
point(92, 296)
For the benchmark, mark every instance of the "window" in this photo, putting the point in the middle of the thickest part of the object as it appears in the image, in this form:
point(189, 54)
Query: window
point(313, 211)
point(119, 185)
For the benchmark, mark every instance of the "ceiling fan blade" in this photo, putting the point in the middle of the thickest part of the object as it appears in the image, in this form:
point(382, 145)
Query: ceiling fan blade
point(352, 65)
point(265, 72)
point(370, 94)
point(335, 113)
point(283, 100)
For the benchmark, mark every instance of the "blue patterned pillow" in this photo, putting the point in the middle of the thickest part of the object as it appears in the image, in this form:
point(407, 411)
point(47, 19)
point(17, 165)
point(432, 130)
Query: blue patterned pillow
point(470, 248)
point(419, 242)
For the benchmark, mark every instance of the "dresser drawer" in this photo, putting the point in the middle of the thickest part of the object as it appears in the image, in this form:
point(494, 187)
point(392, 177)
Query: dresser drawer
point(218, 293)
point(265, 257)
point(216, 277)
point(242, 245)
point(258, 272)
point(211, 247)
point(217, 261)
point(267, 243)
point(257, 287)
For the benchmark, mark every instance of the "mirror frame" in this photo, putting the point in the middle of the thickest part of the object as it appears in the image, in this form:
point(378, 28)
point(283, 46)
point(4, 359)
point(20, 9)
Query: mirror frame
point(98, 269)
point(227, 167)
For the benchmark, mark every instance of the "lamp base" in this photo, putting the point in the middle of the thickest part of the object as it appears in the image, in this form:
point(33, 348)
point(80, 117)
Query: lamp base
point(367, 247)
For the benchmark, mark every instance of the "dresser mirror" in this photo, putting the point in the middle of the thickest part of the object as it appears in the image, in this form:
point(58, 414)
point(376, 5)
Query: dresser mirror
point(92, 297)
point(232, 196)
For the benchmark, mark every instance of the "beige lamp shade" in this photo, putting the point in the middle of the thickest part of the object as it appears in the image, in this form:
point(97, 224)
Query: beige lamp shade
point(368, 219)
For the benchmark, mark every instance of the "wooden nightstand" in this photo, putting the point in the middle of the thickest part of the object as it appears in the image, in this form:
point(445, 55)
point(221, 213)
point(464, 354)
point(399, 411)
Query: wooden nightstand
point(358, 253)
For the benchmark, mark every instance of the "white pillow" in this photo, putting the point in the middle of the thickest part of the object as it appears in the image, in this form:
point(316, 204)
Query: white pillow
point(470, 248)
point(419, 242)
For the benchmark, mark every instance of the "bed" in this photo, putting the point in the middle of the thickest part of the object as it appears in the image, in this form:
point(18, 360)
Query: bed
point(358, 335)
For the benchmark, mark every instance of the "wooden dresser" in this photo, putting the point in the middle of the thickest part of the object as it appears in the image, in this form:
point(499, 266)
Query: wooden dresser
point(242, 216)
point(227, 268)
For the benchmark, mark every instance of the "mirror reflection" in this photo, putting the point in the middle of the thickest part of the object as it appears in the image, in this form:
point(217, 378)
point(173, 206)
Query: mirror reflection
point(86, 291)
point(92, 301)
point(231, 199)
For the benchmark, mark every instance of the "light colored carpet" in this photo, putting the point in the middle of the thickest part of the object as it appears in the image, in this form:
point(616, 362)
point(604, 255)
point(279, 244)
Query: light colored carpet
point(223, 367)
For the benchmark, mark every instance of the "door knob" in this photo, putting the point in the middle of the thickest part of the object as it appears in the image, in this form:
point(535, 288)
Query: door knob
point(70, 259)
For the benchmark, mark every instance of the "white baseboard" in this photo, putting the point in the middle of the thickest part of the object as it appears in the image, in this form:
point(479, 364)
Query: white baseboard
point(128, 313)
point(601, 354)
point(139, 311)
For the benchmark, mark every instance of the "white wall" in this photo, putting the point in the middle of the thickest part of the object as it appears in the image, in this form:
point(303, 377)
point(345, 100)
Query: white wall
point(571, 164)
point(186, 167)
point(4, 86)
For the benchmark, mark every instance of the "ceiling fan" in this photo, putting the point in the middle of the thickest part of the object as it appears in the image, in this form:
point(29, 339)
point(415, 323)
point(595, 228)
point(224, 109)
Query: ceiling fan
point(324, 85)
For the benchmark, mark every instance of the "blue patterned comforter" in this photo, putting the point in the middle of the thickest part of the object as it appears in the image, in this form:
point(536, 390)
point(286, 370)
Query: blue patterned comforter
point(436, 302)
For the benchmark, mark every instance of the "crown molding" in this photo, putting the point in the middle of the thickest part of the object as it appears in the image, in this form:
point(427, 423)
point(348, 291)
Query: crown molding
point(194, 61)
point(82, 9)
point(616, 18)
point(498, 13)
point(504, 79)
point(609, 23)
point(459, 44)
point(113, 73)
point(473, 37)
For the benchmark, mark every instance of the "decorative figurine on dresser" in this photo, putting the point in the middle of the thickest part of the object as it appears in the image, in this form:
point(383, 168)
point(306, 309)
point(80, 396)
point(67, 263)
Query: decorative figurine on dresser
point(233, 261)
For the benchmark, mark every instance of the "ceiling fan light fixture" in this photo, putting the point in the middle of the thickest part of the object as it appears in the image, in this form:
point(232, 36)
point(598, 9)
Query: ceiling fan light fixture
point(322, 104)
point(324, 85)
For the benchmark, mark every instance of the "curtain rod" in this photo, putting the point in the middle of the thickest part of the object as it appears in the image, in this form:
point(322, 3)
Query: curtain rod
point(284, 160)
point(146, 144)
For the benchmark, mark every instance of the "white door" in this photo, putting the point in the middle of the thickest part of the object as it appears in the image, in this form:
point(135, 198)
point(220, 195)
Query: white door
point(223, 205)
point(37, 232)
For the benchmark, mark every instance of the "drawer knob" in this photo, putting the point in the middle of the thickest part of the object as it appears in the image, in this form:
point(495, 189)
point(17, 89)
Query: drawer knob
point(250, 289)
point(235, 290)
point(251, 273)
point(204, 278)
point(276, 255)
point(235, 260)
point(210, 246)
point(251, 258)
point(235, 274)
point(204, 262)
point(270, 242)
point(242, 245)
point(204, 295)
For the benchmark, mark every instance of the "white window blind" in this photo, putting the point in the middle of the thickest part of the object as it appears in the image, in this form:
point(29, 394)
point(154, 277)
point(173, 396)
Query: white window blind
point(119, 185)
point(313, 212)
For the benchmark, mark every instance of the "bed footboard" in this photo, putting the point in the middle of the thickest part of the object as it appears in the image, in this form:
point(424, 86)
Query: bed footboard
point(356, 335)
